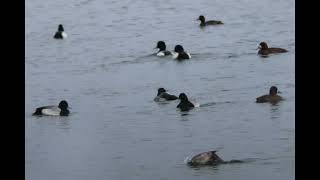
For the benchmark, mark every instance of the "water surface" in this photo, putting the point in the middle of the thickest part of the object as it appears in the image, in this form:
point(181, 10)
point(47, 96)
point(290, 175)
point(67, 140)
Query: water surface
point(106, 72)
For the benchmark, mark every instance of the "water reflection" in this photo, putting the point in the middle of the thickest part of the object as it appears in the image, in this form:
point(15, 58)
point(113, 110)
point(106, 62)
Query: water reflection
point(63, 123)
point(184, 115)
point(274, 111)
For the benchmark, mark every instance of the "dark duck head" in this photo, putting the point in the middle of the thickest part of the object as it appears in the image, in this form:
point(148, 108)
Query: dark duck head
point(180, 54)
point(184, 104)
point(161, 45)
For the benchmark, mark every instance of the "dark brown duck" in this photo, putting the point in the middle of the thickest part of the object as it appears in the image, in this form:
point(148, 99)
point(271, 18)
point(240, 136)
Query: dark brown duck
point(272, 97)
point(265, 50)
point(209, 158)
point(210, 22)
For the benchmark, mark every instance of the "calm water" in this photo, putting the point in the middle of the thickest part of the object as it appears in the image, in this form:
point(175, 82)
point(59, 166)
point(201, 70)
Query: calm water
point(106, 72)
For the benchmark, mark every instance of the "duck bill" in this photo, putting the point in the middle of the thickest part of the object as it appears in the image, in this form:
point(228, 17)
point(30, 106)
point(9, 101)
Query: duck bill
point(259, 47)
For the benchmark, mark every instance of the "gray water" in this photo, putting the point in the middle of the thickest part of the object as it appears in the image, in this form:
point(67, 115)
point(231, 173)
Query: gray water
point(106, 71)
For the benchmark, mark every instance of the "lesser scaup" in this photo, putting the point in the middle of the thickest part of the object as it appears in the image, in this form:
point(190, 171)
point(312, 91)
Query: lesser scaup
point(210, 22)
point(180, 54)
point(163, 95)
point(60, 34)
point(272, 97)
point(60, 110)
point(185, 104)
point(161, 45)
point(265, 50)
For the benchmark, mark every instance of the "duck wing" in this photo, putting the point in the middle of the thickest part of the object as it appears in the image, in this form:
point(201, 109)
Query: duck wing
point(277, 50)
point(39, 110)
point(262, 99)
point(169, 96)
point(213, 22)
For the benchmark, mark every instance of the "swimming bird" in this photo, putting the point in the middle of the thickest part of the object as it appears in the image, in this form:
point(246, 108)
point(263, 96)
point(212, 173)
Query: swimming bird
point(272, 97)
point(163, 95)
point(209, 158)
point(161, 45)
point(205, 158)
point(60, 110)
point(185, 104)
point(180, 54)
point(265, 50)
point(60, 34)
point(210, 22)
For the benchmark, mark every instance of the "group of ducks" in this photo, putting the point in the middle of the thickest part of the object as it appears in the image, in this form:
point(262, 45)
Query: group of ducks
point(205, 158)
point(162, 95)
point(180, 54)
point(186, 105)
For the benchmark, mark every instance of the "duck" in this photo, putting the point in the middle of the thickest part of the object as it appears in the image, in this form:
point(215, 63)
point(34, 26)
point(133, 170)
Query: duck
point(265, 50)
point(163, 95)
point(180, 54)
point(60, 110)
point(161, 45)
point(209, 158)
point(60, 34)
point(185, 104)
point(205, 158)
point(210, 22)
point(272, 97)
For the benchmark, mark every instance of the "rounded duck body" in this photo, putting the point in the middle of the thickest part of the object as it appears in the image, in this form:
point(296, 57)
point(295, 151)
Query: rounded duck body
point(272, 97)
point(161, 45)
point(205, 158)
point(185, 104)
point(180, 54)
point(60, 110)
point(209, 158)
point(60, 34)
point(265, 50)
point(164, 96)
point(203, 21)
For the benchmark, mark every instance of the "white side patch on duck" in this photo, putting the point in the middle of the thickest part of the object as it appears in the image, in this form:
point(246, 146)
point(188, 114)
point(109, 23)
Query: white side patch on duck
point(159, 99)
point(54, 111)
point(196, 104)
point(161, 53)
point(189, 55)
point(64, 35)
point(187, 159)
point(174, 55)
